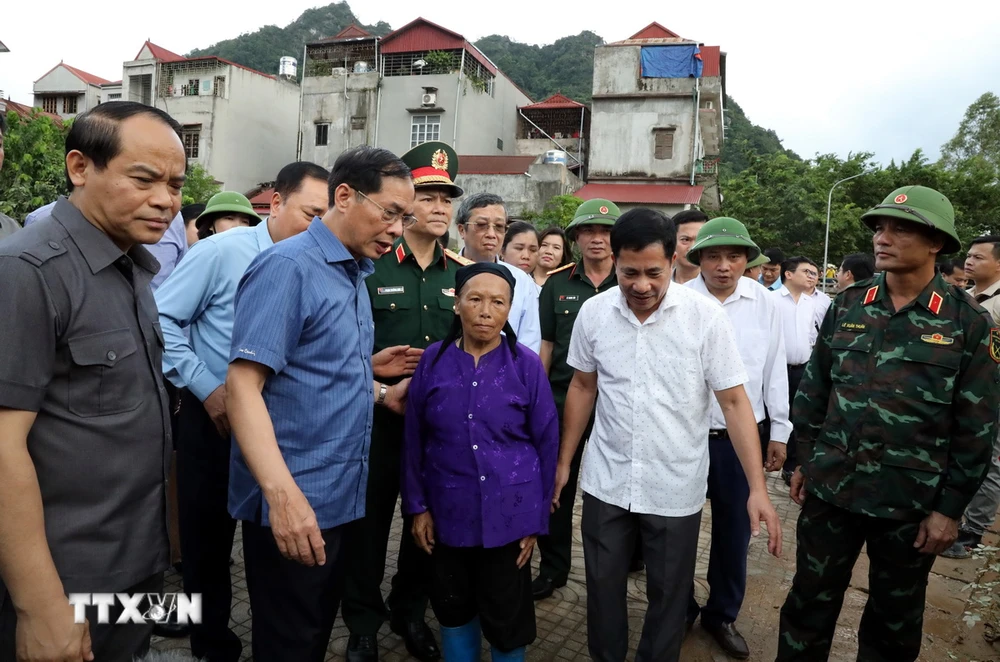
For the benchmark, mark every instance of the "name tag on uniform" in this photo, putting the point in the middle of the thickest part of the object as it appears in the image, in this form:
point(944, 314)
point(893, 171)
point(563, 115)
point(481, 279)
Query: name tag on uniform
point(937, 339)
point(450, 292)
point(569, 297)
point(391, 290)
point(853, 327)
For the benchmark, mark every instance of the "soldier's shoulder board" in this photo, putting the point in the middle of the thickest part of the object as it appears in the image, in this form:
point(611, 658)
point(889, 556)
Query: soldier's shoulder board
point(562, 268)
point(457, 258)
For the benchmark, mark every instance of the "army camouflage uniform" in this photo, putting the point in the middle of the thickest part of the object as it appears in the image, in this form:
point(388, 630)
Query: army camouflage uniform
point(895, 416)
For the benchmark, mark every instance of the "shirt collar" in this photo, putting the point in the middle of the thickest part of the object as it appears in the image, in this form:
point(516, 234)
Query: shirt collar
point(333, 249)
point(989, 291)
point(932, 297)
point(670, 299)
point(401, 251)
point(97, 247)
point(744, 288)
point(264, 240)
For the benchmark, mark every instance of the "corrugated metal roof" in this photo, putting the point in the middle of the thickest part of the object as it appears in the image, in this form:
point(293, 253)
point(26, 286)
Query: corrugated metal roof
point(710, 57)
point(650, 194)
point(555, 101)
point(423, 35)
point(494, 165)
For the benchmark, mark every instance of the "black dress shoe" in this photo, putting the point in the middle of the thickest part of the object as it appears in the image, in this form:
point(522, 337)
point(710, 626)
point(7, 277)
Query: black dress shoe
point(171, 630)
point(729, 639)
point(362, 648)
point(419, 640)
point(542, 587)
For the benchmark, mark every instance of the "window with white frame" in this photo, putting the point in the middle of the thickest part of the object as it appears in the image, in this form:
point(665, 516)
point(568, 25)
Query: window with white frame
point(424, 128)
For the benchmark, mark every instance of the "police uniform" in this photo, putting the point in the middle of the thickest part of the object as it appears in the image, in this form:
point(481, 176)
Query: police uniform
point(896, 418)
point(410, 306)
point(563, 294)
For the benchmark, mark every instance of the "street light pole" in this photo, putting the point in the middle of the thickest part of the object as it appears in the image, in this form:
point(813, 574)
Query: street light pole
point(829, 203)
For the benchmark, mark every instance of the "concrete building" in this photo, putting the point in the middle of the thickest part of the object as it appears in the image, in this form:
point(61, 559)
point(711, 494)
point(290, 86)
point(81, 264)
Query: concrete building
point(67, 91)
point(418, 83)
point(656, 131)
point(558, 123)
point(526, 183)
point(239, 124)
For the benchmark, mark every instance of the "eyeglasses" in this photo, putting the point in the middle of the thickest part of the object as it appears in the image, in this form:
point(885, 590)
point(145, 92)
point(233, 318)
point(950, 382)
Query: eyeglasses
point(391, 217)
point(482, 226)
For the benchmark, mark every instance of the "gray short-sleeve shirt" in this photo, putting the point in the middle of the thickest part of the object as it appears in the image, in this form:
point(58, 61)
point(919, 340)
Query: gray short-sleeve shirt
point(85, 353)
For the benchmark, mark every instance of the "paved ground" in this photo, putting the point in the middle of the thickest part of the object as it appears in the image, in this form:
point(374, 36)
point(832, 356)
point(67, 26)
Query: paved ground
point(562, 628)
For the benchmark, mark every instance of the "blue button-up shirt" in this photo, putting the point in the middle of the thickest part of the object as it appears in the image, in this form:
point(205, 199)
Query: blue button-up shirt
point(302, 310)
point(200, 295)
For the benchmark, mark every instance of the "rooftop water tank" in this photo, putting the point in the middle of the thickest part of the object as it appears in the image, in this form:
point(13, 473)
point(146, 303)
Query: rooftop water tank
point(288, 67)
point(555, 156)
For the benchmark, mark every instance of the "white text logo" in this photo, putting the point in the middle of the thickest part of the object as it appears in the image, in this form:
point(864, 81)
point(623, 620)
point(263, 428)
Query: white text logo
point(139, 608)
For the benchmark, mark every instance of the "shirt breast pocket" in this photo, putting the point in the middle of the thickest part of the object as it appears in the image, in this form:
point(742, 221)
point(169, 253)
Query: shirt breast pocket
point(104, 374)
point(929, 373)
point(850, 353)
point(384, 305)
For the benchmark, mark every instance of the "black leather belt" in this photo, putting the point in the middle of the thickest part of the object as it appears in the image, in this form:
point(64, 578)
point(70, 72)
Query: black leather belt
point(718, 434)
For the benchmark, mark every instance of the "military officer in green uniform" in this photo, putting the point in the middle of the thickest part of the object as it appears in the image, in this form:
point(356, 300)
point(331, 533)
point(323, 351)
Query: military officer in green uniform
point(561, 297)
point(895, 418)
point(413, 297)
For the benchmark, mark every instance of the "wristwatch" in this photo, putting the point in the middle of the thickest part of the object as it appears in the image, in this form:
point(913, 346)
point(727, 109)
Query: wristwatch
point(382, 390)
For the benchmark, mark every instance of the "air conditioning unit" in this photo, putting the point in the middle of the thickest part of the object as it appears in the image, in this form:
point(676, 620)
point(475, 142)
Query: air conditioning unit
point(428, 99)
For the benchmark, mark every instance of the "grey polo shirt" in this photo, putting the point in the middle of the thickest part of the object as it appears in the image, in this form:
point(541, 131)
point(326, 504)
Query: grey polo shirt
point(86, 356)
point(8, 226)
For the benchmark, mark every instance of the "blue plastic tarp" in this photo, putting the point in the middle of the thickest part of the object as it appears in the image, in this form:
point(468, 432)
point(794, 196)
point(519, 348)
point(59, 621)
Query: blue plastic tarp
point(680, 61)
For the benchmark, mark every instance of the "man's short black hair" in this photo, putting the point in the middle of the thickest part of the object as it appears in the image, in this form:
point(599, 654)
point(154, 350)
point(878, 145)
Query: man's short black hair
point(948, 267)
point(291, 177)
point(640, 227)
point(989, 239)
point(690, 216)
point(191, 212)
point(793, 263)
point(95, 133)
point(861, 265)
point(775, 255)
point(363, 167)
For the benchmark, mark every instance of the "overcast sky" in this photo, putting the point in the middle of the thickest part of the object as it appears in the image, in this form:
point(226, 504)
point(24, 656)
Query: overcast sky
point(885, 76)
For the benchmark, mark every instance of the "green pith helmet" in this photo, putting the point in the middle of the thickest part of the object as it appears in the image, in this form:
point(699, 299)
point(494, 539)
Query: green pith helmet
point(759, 262)
point(227, 202)
point(723, 231)
point(434, 165)
point(593, 212)
point(921, 205)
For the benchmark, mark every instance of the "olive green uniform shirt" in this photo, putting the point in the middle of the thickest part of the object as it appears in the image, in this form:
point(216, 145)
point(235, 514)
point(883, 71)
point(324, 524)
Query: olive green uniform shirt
point(563, 294)
point(896, 412)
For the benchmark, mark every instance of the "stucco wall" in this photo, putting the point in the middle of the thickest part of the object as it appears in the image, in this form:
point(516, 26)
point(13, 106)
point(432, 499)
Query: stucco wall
point(621, 137)
point(324, 100)
point(523, 193)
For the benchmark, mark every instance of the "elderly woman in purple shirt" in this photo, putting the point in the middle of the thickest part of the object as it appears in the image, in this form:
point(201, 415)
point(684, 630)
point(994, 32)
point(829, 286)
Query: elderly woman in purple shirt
point(478, 467)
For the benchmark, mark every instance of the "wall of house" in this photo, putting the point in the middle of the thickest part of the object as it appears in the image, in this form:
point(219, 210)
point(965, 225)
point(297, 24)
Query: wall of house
point(621, 137)
point(484, 120)
point(523, 193)
point(131, 71)
point(61, 83)
point(324, 100)
point(400, 93)
point(207, 111)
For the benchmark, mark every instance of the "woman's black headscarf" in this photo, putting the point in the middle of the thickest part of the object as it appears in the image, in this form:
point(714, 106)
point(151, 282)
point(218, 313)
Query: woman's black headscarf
point(462, 276)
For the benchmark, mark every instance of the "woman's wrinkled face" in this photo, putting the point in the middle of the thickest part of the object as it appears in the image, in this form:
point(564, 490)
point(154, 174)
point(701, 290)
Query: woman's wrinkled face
point(483, 306)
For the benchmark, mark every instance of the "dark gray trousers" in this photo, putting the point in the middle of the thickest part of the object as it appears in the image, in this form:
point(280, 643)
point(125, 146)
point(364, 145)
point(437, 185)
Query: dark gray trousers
point(669, 545)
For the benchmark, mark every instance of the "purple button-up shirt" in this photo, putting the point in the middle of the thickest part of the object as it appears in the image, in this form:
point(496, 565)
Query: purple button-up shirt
point(481, 446)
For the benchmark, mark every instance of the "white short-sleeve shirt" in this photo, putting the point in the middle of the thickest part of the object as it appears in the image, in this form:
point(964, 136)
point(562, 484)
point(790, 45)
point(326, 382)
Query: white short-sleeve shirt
point(648, 451)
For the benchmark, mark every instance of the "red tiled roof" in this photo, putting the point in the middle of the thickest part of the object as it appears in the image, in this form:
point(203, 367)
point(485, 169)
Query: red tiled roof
point(555, 101)
point(352, 32)
point(423, 35)
point(159, 53)
point(655, 31)
point(27, 111)
point(90, 79)
point(114, 82)
point(262, 200)
point(494, 165)
point(649, 194)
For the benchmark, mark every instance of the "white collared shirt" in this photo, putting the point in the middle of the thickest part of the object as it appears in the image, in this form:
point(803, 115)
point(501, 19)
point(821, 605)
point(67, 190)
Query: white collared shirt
point(822, 302)
point(524, 309)
point(762, 346)
point(990, 299)
point(648, 451)
point(798, 324)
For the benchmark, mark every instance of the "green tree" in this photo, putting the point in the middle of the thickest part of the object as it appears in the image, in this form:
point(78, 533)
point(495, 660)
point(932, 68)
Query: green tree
point(34, 167)
point(559, 210)
point(978, 136)
point(199, 185)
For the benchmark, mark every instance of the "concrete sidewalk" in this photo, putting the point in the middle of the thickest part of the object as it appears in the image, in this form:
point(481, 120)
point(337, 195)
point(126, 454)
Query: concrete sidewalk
point(562, 625)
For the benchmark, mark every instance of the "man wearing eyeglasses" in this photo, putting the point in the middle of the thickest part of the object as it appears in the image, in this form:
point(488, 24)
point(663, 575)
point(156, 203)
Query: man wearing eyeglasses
point(482, 223)
point(299, 396)
point(413, 304)
point(798, 313)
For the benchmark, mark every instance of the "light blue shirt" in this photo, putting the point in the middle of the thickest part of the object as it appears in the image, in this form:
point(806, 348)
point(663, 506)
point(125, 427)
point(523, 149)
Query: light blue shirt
point(302, 310)
point(775, 286)
point(200, 296)
point(168, 251)
point(524, 309)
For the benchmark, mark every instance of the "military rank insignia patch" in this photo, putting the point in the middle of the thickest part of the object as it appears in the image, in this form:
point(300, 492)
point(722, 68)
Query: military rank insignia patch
point(995, 344)
point(870, 295)
point(935, 303)
point(937, 339)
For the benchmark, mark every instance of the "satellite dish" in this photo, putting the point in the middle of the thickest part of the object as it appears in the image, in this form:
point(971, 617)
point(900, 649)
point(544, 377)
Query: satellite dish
point(420, 64)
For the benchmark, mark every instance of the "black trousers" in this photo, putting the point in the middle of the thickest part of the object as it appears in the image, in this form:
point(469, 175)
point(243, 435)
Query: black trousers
point(484, 582)
point(294, 606)
point(556, 548)
point(364, 610)
point(110, 642)
point(794, 377)
point(670, 545)
point(206, 529)
point(728, 491)
point(829, 542)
